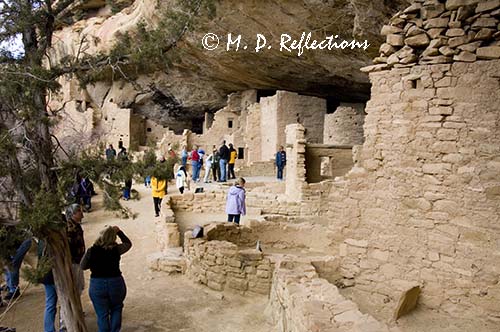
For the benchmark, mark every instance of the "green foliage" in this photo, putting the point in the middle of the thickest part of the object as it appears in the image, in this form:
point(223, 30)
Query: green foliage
point(36, 274)
point(10, 238)
point(44, 214)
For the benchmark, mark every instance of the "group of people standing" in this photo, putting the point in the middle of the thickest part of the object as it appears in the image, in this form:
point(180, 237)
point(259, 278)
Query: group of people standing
point(107, 288)
point(220, 162)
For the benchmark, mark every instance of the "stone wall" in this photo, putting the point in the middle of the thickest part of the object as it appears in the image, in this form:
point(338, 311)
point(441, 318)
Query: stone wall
point(220, 264)
point(253, 137)
point(345, 125)
point(437, 32)
point(286, 108)
point(422, 204)
point(301, 300)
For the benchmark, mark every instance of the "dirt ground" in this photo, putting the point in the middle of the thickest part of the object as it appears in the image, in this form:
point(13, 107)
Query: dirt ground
point(155, 301)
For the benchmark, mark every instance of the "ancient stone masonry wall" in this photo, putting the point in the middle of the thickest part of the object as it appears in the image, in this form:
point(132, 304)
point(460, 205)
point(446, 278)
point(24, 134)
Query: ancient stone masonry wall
point(422, 206)
point(433, 32)
point(257, 203)
point(220, 264)
point(302, 301)
point(345, 125)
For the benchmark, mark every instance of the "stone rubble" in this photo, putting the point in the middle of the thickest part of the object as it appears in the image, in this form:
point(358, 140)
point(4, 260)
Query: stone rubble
point(433, 32)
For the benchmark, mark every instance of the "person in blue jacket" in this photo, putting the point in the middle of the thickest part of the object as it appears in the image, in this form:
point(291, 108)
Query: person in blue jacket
point(280, 162)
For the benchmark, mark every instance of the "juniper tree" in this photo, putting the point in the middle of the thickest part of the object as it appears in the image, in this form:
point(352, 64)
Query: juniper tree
point(32, 177)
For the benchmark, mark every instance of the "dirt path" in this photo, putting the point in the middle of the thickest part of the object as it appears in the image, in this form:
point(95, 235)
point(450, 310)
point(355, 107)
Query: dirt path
point(155, 301)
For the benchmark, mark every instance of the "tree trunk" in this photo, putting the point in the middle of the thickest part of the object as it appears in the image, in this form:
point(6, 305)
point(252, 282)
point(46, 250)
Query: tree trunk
point(68, 295)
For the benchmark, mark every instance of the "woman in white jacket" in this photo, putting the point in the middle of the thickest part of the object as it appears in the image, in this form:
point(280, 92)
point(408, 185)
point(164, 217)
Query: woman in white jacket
point(208, 167)
point(181, 179)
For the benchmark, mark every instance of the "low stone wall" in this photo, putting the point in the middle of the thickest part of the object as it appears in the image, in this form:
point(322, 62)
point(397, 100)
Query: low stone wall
point(258, 201)
point(302, 301)
point(222, 265)
point(258, 168)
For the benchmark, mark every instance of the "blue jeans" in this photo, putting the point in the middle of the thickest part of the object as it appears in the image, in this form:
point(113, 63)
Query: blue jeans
point(222, 164)
point(196, 170)
point(235, 217)
point(126, 193)
point(184, 161)
point(49, 316)
point(107, 295)
point(280, 172)
point(87, 201)
point(12, 271)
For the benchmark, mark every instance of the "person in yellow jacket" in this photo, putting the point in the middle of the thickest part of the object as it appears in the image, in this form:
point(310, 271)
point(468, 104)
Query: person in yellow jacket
point(159, 189)
point(232, 160)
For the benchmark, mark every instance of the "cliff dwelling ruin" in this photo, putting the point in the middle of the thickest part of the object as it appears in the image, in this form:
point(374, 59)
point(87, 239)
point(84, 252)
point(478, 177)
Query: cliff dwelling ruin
point(387, 218)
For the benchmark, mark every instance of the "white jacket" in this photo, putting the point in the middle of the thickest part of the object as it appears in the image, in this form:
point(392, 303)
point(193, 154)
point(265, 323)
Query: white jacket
point(181, 179)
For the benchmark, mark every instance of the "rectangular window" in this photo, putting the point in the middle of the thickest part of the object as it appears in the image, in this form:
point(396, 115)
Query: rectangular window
point(230, 123)
point(241, 154)
point(148, 130)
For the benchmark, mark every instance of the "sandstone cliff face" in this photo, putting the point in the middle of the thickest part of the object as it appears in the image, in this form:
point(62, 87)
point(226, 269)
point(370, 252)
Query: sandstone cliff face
point(201, 79)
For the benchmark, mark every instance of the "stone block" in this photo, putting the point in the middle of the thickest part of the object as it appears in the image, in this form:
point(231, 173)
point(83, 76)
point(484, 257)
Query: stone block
point(250, 255)
point(485, 6)
point(437, 168)
point(440, 22)
point(418, 41)
point(491, 52)
point(447, 134)
point(395, 40)
point(214, 285)
point(407, 302)
point(465, 57)
point(485, 22)
point(390, 29)
point(233, 262)
point(455, 4)
point(435, 32)
point(237, 283)
point(455, 32)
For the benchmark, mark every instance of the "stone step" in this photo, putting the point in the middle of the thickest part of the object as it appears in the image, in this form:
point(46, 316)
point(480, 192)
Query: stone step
point(170, 261)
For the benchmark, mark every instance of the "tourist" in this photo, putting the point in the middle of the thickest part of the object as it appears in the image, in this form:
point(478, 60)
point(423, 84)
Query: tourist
point(208, 167)
point(224, 157)
point(184, 156)
point(147, 181)
point(107, 288)
point(122, 155)
point(18, 249)
point(181, 179)
point(127, 189)
point(215, 164)
point(235, 203)
point(120, 144)
point(86, 192)
point(195, 163)
point(49, 317)
point(171, 152)
point(232, 160)
point(75, 193)
point(110, 153)
point(280, 162)
point(201, 153)
point(159, 189)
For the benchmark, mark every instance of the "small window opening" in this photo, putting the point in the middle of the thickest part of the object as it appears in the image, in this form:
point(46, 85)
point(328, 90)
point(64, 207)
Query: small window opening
point(230, 123)
point(241, 153)
point(148, 130)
